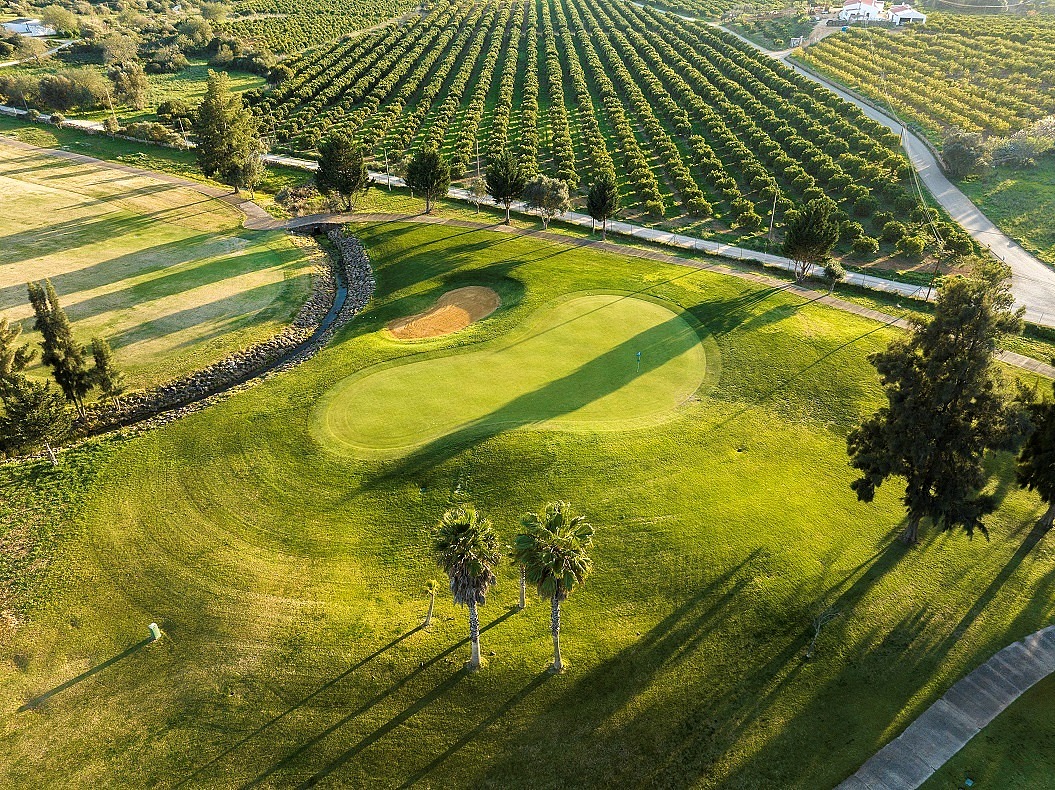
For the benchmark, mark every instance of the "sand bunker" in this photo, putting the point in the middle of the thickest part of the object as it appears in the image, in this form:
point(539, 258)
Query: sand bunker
point(453, 311)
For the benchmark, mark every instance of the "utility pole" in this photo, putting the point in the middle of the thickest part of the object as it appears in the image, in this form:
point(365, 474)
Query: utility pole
point(113, 114)
point(477, 157)
point(388, 176)
point(772, 219)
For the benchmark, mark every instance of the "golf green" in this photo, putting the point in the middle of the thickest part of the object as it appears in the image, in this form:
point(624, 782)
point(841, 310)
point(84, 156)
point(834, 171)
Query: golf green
point(573, 364)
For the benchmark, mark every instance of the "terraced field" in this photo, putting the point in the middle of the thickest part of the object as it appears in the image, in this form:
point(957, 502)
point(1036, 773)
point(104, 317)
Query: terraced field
point(704, 132)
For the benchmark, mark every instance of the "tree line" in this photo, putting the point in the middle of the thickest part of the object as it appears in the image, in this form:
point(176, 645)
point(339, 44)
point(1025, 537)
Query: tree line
point(34, 414)
point(551, 551)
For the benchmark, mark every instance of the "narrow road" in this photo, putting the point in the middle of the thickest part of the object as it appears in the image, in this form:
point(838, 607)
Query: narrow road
point(1034, 281)
point(32, 58)
point(946, 726)
point(258, 219)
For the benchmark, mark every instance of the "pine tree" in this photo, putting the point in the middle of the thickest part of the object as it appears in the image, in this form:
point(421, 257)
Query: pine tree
point(505, 179)
point(34, 416)
point(61, 351)
point(105, 374)
point(945, 405)
point(342, 169)
point(428, 174)
point(228, 138)
point(1036, 461)
point(810, 236)
point(603, 200)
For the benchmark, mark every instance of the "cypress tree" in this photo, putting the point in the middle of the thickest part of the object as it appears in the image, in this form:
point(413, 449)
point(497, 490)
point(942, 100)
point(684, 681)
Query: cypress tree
point(945, 405)
point(61, 351)
point(228, 138)
point(342, 169)
point(105, 374)
point(428, 174)
point(603, 199)
point(505, 179)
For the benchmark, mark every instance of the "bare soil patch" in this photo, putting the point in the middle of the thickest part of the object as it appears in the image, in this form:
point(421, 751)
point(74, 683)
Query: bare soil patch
point(453, 311)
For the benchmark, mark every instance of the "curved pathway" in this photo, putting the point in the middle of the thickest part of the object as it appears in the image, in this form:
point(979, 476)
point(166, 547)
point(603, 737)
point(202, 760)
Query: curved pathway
point(1034, 281)
point(258, 219)
point(946, 726)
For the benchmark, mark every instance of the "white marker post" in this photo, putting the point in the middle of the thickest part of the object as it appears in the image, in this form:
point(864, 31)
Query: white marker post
point(155, 632)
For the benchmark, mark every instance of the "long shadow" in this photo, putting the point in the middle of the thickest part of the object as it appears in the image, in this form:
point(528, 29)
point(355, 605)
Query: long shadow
point(298, 704)
point(370, 703)
point(397, 720)
point(471, 735)
point(69, 235)
point(593, 380)
point(36, 702)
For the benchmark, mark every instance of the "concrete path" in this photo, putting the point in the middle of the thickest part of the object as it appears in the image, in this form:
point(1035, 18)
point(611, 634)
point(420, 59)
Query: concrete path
point(258, 219)
point(946, 726)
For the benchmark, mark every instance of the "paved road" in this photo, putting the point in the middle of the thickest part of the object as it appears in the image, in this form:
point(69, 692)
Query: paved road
point(946, 726)
point(1034, 281)
point(32, 58)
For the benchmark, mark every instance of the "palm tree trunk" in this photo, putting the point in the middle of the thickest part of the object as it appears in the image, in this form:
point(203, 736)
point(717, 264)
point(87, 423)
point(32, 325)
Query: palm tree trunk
point(474, 635)
point(428, 615)
point(554, 626)
point(1048, 518)
point(523, 587)
point(910, 536)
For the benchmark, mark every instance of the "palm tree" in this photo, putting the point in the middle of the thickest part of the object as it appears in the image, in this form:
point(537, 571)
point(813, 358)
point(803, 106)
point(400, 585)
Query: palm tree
point(554, 550)
point(430, 587)
point(467, 548)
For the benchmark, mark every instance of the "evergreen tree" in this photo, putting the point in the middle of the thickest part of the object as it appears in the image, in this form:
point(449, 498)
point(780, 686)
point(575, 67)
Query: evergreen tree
point(429, 175)
point(603, 200)
point(61, 351)
point(13, 357)
point(945, 405)
point(548, 196)
point(810, 235)
point(505, 179)
point(342, 169)
point(34, 416)
point(105, 374)
point(228, 139)
point(1036, 461)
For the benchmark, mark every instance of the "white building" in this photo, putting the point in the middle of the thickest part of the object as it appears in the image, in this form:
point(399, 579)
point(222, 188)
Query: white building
point(907, 15)
point(863, 11)
point(29, 27)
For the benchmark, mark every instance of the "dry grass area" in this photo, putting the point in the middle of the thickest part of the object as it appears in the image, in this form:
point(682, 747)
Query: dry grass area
point(166, 274)
point(453, 311)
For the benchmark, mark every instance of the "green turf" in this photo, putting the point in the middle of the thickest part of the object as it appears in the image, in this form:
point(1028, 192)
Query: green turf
point(288, 580)
point(165, 273)
point(572, 364)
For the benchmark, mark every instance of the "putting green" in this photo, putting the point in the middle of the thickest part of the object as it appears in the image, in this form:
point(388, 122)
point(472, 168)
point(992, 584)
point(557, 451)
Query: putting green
point(571, 365)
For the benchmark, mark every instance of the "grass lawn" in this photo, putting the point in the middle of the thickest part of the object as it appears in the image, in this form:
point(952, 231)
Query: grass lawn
point(166, 274)
point(288, 579)
point(1021, 203)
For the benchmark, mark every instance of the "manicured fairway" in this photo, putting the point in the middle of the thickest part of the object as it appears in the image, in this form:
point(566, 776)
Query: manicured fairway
point(288, 579)
point(165, 273)
point(572, 365)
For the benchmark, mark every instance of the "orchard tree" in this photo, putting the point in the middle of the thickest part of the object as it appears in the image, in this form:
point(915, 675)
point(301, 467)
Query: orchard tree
point(603, 199)
point(548, 196)
point(506, 179)
point(554, 548)
point(229, 145)
point(61, 351)
point(810, 235)
point(34, 416)
point(1036, 461)
point(342, 169)
point(466, 547)
point(945, 405)
point(428, 175)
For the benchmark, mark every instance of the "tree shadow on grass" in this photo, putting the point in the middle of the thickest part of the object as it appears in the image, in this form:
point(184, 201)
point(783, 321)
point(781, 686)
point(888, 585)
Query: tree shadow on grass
point(297, 705)
point(39, 700)
point(449, 683)
point(601, 376)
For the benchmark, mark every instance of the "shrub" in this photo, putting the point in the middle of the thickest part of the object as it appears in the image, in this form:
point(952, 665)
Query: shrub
point(894, 231)
point(864, 206)
point(850, 230)
point(865, 245)
point(911, 246)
